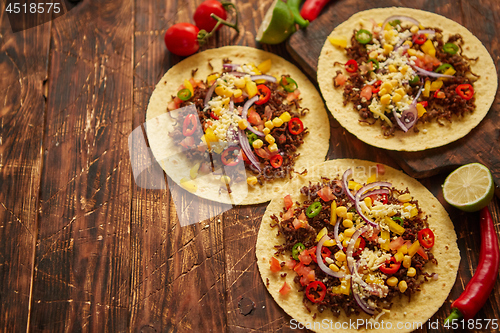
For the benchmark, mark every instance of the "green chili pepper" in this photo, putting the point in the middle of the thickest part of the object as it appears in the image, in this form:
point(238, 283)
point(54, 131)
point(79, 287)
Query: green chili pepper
point(442, 68)
point(294, 7)
point(313, 209)
point(184, 94)
point(363, 36)
point(288, 84)
point(376, 64)
point(297, 249)
point(251, 137)
point(415, 80)
point(395, 22)
point(450, 48)
point(398, 219)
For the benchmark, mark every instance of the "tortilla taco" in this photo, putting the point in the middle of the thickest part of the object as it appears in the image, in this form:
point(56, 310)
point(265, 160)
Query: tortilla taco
point(233, 124)
point(405, 79)
point(387, 246)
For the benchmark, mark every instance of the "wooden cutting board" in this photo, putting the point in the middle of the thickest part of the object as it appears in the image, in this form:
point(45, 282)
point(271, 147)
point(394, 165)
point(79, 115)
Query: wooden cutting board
point(481, 144)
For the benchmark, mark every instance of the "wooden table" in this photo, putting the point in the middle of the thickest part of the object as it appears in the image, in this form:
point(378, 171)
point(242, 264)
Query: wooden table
point(82, 247)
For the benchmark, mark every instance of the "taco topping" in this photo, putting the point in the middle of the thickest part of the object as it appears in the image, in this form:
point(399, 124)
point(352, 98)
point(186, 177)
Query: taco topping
point(244, 115)
point(353, 247)
point(397, 66)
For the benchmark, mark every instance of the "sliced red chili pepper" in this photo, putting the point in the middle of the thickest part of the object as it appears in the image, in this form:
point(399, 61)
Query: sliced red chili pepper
point(214, 116)
point(325, 252)
point(465, 91)
point(276, 161)
point(319, 290)
point(265, 94)
point(419, 39)
point(392, 268)
point(190, 120)
point(424, 103)
point(351, 66)
point(295, 126)
point(376, 86)
point(439, 94)
point(426, 238)
point(230, 156)
point(361, 246)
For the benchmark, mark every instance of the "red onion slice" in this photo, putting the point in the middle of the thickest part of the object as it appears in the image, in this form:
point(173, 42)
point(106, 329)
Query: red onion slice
point(375, 192)
point(409, 116)
point(237, 74)
point(230, 67)
point(244, 113)
point(245, 145)
point(210, 92)
point(360, 193)
point(361, 302)
point(269, 78)
point(398, 120)
point(345, 178)
point(336, 234)
point(401, 18)
point(422, 71)
point(426, 31)
point(321, 264)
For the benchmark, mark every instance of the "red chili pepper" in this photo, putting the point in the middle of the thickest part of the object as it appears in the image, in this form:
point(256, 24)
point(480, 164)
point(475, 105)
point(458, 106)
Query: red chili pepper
point(351, 66)
point(465, 91)
point(376, 86)
point(325, 252)
point(276, 161)
point(311, 9)
point(426, 238)
point(189, 120)
point(214, 116)
point(393, 266)
point(480, 286)
point(228, 157)
point(295, 126)
point(419, 39)
point(265, 94)
point(424, 103)
point(314, 286)
point(439, 94)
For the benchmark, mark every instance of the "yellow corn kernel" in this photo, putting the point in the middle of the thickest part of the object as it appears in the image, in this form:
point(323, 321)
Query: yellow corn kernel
point(400, 91)
point(266, 131)
point(414, 212)
point(413, 248)
point(341, 237)
point(386, 99)
point(269, 124)
point(240, 83)
point(349, 232)
point(402, 286)
point(334, 267)
point(388, 48)
point(368, 202)
point(382, 92)
point(345, 242)
point(403, 249)
point(414, 29)
point(345, 287)
point(412, 52)
point(237, 93)
point(411, 272)
point(219, 90)
point(427, 88)
point(265, 66)
point(373, 55)
point(273, 148)
point(333, 213)
point(421, 110)
point(406, 261)
point(404, 69)
point(213, 77)
point(285, 117)
point(269, 138)
point(372, 178)
point(387, 86)
point(409, 43)
point(320, 234)
point(225, 179)
point(392, 281)
point(392, 69)
point(349, 216)
point(257, 143)
point(347, 223)
point(370, 279)
point(386, 236)
point(252, 180)
point(277, 122)
point(428, 48)
point(251, 89)
point(399, 256)
point(336, 289)
point(436, 85)
point(340, 42)
point(210, 135)
point(189, 185)
point(404, 197)
point(396, 97)
point(329, 242)
point(341, 211)
point(340, 256)
point(242, 124)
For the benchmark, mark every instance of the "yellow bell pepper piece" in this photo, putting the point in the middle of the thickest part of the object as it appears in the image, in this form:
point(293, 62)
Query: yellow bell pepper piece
point(333, 213)
point(251, 89)
point(340, 42)
point(394, 226)
point(413, 248)
point(421, 110)
point(189, 86)
point(427, 88)
point(265, 66)
point(386, 236)
point(428, 48)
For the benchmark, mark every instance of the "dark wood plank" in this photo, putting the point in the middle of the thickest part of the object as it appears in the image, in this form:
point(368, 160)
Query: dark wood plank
point(82, 272)
point(23, 69)
point(305, 47)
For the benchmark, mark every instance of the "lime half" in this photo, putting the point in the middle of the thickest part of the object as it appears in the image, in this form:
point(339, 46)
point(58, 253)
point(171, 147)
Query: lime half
point(277, 25)
point(469, 188)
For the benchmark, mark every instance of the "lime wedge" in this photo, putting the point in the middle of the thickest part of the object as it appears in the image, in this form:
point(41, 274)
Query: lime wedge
point(469, 188)
point(277, 25)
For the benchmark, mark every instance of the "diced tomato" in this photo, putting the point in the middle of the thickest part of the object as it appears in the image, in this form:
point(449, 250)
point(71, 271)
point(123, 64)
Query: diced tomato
point(188, 142)
point(303, 217)
point(282, 139)
point(239, 99)
point(397, 243)
point(428, 59)
point(326, 193)
point(422, 253)
point(290, 264)
point(301, 269)
point(293, 95)
point(288, 201)
point(285, 289)
point(297, 224)
point(325, 252)
point(275, 265)
point(340, 80)
point(380, 197)
point(373, 237)
point(366, 92)
point(305, 258)
point(254, 117)
point(288, 214)
point(264, 153)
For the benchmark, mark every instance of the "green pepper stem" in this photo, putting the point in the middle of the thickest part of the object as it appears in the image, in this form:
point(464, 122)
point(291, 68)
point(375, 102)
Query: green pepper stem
point(455, 314)
point(203, 35)
point(294, 7)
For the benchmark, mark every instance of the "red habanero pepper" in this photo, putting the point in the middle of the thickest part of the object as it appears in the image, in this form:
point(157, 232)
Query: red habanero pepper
point(295, 126)
point(264, 93)
point(276, 161)
point(419, 39)
point(376, 86)
point(480, 286)
point(311, 9)
point(313, 286)
point(465, 91)
point(351, 66)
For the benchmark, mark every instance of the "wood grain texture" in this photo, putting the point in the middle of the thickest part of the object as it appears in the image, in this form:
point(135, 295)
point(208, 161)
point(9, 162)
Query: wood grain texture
point(478, 146)
point(23, 69)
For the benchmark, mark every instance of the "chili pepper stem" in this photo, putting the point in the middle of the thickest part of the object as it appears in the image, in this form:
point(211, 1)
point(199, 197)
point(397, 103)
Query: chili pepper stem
point(455, 314)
